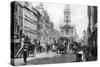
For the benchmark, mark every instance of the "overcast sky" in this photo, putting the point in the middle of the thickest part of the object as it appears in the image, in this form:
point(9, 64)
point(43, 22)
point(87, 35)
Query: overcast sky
point(78, 16)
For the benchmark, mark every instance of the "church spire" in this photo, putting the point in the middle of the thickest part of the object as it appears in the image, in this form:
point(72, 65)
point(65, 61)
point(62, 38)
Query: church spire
point(67, 14)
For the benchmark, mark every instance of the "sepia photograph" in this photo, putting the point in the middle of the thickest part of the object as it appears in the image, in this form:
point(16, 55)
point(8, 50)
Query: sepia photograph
point(49, 33)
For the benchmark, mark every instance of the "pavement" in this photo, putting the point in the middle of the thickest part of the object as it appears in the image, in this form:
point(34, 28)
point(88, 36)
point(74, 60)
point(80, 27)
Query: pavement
point(64, 58)
point(50, 58)
point(19, 61)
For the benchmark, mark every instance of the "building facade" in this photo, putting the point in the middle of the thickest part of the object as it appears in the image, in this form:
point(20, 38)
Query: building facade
point(30, 21)
point(67, 30)
point(24, 19)
point(92, 31)
point(92, 25)
point(46, 27)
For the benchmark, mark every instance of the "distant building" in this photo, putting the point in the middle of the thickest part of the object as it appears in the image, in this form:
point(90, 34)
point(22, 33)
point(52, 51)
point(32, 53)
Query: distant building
point(67, 30)
point(54, 35)
point(85, 38)
point(46, 27)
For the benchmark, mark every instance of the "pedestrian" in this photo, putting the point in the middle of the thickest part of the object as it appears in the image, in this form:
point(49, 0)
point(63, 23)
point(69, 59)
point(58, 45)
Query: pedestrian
point(78, 57)
point(25, 56)
point(48, 48)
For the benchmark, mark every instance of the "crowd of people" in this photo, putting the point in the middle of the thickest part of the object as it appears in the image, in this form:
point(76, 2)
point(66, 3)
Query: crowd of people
point(62, 46)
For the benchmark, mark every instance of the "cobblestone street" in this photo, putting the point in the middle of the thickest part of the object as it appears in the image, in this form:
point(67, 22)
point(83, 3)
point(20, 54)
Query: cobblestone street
point(50, 58)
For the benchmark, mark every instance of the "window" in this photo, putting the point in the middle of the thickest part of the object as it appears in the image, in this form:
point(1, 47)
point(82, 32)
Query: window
point(30, 20)
point(20, 11)
point(20, 20)
point(15, 26)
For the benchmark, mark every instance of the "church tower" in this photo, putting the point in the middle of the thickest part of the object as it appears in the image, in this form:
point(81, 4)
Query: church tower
point(67, 14)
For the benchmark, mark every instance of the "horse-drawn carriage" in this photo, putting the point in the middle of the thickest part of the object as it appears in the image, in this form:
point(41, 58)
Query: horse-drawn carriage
point(61, 45)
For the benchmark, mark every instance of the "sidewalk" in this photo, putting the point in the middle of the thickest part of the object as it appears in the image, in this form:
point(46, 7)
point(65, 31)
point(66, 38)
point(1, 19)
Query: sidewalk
point(19, 61)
